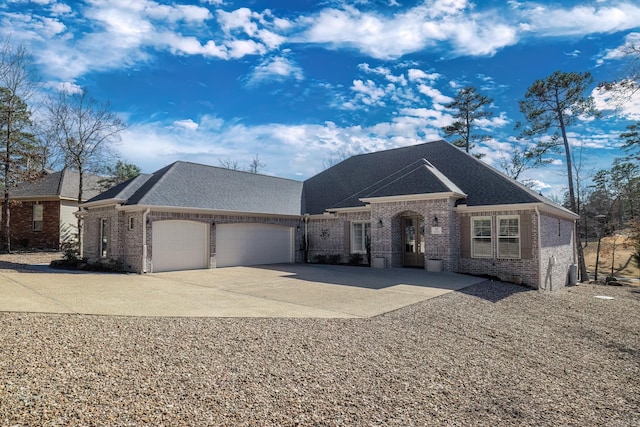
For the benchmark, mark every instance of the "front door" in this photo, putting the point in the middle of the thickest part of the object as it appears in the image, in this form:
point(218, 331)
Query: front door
point(413, 241)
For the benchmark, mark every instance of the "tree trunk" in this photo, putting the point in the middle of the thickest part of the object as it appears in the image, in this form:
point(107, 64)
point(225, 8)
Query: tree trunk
point(80, 224)
point(6, 222)
point(584, 274)
point(5, 207)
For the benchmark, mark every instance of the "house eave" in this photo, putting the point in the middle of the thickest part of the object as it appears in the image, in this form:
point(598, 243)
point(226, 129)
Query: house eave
point(543, 207)
point(101, 203)
point(414, 197)
point(178, 209)
point(47, 198)
point(365, 208)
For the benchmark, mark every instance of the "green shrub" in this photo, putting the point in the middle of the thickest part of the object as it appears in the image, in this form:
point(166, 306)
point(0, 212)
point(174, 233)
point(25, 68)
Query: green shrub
point(320, 259)
point(355, 259)
point(333, 258)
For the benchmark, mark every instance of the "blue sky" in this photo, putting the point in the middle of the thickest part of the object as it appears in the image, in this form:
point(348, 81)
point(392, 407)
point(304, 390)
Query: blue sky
point(301, 83)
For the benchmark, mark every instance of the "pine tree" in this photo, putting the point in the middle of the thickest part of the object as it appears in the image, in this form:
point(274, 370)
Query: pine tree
point(551, 105)
point(469, 107)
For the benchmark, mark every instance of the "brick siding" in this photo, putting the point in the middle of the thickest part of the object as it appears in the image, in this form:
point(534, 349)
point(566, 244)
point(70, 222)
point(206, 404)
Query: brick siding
point(557, 252)
point(526, 270)
point(127, 245)
point(22, 233)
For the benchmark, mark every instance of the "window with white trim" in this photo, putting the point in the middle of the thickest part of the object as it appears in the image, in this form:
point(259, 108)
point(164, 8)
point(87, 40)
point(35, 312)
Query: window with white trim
point(481, 245)
point(360, 232)
point(104, 237)
point(131, 222)
point(38, 217)
point(509, 237)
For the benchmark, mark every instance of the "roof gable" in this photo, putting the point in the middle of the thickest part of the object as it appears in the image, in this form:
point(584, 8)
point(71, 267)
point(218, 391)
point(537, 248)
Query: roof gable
point(390, 172)
point(192, 185)
point(63, 184)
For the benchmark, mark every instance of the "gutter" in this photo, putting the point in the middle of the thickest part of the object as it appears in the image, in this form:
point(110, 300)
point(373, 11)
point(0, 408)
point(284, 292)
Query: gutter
point(144, 239)
point(541, 284)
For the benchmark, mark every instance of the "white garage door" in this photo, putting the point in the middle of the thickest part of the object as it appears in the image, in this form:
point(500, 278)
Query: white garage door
point(253, 244)
point(179, 245)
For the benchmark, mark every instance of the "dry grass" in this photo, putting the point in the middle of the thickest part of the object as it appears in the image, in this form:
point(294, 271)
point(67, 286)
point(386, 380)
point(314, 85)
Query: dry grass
point(623, 264)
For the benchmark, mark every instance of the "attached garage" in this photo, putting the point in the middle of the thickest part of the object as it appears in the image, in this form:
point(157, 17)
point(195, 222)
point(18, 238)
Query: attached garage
point(253, 244)
point(179, 245)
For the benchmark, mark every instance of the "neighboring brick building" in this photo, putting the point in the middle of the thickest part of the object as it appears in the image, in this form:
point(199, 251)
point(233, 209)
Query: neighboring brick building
point(428, 206)
point(42, 212)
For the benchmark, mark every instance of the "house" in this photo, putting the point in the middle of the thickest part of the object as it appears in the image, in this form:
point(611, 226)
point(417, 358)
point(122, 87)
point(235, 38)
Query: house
point(42, 211)
point(425, 206)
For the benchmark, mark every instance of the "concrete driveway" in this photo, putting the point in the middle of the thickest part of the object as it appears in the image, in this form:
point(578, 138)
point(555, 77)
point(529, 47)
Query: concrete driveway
point(287, 290)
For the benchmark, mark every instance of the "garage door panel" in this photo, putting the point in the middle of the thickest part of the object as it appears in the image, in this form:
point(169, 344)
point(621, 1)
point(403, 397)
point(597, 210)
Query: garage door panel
point(180, 245)
point(253, 244)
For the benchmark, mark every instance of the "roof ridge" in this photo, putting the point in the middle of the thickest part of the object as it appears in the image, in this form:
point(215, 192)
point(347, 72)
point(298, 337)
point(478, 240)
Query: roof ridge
point(521, 186)
point(236, 170)
point(405, 147)
point(429, 168)
point(62, 175)
point(162, 176)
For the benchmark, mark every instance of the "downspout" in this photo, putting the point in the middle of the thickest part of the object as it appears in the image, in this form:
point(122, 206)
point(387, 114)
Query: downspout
point(144, 239)
point(541, 284)
point(306, 238)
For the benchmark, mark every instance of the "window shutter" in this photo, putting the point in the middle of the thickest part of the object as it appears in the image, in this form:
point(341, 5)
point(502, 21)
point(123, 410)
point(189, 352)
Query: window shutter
point(465, 237)
point(347, 237)
point(526, 237)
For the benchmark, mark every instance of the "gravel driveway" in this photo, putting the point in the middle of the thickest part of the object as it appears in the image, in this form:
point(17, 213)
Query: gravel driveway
point(492, 354)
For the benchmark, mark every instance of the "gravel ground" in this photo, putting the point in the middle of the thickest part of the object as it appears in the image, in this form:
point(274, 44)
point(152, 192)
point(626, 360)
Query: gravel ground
point(493, 354)
point(21, 260)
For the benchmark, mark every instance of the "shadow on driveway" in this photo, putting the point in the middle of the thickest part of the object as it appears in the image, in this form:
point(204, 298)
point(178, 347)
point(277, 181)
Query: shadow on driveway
point(371, 278)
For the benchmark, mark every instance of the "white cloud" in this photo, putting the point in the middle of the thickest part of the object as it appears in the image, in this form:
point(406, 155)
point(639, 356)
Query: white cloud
point(293, 151)
point(186, 124)
point(60, 9)
point(434, 94)
point(625, 104)
point(415, 74)
point(426, 25)
point(494, 122)
point(581, 20)
point(241, 48)
point(122, 33)
point(368, 92)
point(239, 19)
point(68, 87)
point(275, 69)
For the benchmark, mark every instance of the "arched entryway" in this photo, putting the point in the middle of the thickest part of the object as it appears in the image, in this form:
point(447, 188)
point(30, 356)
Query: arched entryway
point(413, 240)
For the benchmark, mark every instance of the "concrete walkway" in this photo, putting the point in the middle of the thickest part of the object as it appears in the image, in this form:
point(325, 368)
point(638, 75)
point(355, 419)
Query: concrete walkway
point(287, 290)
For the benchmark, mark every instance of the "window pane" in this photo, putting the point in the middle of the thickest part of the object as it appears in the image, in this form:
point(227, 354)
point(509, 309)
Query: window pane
point(509, 248)
point(508, 227)
point(359, 234)
point(482, 247)
point(38, 223)
point(37, 212)
point(482, 227)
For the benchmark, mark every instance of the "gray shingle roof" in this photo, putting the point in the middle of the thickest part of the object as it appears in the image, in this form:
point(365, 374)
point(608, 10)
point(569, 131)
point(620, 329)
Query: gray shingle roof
point(433, 167)
point(191, 185)
point(62, 184)
point(360, 176)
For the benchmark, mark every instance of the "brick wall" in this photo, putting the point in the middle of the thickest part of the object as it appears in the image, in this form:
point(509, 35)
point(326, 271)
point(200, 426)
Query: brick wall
point(328, 235)
point(126, 245)
point(386, 241)
point(557, 251)
point(332, 235)
point(22, 233)
point(526, 270)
